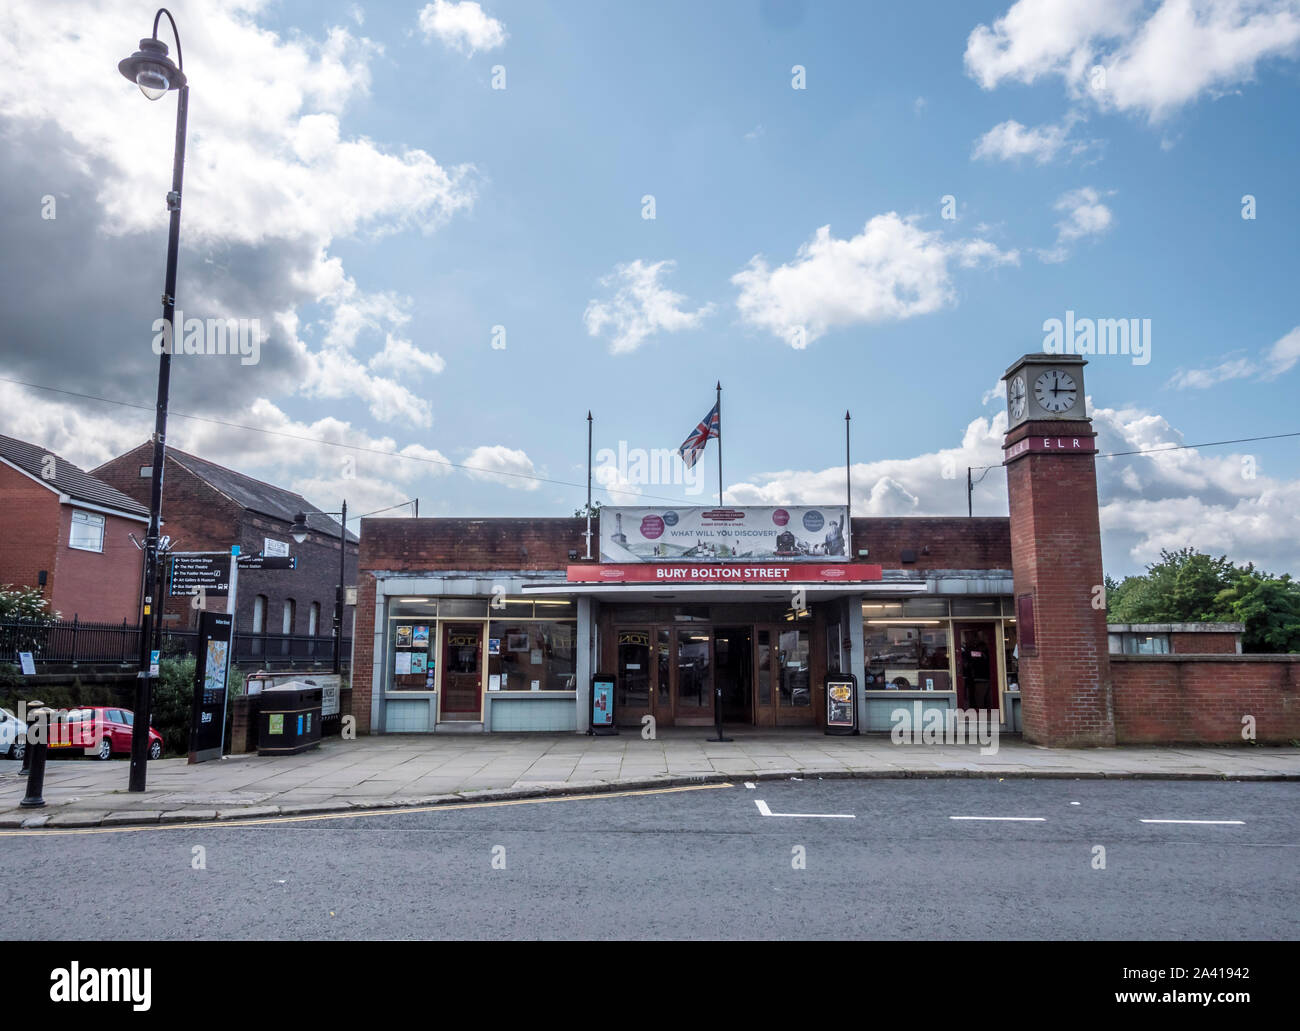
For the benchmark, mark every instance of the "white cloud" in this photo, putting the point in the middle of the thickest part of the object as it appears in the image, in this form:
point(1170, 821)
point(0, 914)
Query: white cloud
point(1281, 357)
point(304, 456)
point(641, 306)
point(1085, 215)
point(1011, 141)
point(403, 357)
point(1155, 60)
point(890, 271)
point(270, 180)
point(1168, 499)
point(461, 26)
point(496, 463)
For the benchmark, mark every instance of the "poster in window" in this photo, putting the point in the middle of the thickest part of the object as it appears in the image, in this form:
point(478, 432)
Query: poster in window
point(420, 636)
point(404, 635)
point(535, 657)
point(402, 664)
point(419, 662)
point(516, 642)
point(494, 646)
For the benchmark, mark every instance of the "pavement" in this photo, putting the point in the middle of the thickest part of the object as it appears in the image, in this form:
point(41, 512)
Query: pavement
point(391, 771)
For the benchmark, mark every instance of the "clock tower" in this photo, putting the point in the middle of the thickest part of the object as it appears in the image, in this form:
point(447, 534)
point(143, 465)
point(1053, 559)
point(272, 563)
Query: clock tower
point(1050, 457)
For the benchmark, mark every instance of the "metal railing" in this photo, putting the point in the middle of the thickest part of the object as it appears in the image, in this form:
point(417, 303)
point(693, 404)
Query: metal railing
point(73, 642)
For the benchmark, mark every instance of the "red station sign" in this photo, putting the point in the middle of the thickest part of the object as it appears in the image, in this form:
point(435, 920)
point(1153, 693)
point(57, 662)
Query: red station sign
point(728, 573)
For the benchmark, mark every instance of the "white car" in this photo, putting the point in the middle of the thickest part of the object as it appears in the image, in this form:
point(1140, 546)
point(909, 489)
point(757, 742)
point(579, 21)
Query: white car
point(12, 736)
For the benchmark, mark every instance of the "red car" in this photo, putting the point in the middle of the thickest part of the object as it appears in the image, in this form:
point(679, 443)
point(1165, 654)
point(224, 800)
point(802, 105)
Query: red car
point(100, 731)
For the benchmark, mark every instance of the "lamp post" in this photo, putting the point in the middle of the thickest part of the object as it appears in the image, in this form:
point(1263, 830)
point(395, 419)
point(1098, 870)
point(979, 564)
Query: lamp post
point(153, 71)
point(299, 531)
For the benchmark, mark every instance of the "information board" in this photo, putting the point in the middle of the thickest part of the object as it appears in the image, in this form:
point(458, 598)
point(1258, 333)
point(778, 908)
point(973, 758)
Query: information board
point(211, 673)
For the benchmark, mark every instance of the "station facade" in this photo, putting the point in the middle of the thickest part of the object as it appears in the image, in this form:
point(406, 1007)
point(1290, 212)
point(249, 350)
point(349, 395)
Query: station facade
point(499, 624)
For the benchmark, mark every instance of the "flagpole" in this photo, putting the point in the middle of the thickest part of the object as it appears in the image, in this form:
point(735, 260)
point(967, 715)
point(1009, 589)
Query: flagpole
point(588, 533)
point(719, 443)
point(848, 478)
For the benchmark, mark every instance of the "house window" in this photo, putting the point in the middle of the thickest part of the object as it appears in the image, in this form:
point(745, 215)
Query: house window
point(288, 616)
point(313, 619)
point(146, 471)
point(87, 531)
point(259, 614)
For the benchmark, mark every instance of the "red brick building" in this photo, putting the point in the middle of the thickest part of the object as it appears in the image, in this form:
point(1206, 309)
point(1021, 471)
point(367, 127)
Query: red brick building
point(695, 613)
point(207, 507)
point(69, 534)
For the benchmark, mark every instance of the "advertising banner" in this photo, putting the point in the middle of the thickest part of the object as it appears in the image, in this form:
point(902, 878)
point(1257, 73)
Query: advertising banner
point(211, 670)
point(748, 534)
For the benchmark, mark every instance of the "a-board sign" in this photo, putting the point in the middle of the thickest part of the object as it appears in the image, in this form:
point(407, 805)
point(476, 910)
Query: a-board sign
point(602, 705)
point(841, 703)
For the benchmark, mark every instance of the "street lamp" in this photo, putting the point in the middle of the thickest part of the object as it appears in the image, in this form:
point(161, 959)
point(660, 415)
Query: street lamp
point(298, 531)
point(153, 71)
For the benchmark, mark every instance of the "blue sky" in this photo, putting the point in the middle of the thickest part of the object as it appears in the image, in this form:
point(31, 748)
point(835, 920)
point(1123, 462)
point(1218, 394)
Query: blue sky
point(693, 104)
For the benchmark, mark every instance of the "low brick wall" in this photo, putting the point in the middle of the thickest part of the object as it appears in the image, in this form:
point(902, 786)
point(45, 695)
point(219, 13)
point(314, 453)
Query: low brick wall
point(1201, 699)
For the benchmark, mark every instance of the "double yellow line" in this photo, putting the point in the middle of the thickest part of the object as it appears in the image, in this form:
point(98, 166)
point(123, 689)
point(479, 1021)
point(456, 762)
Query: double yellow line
point(197, 826)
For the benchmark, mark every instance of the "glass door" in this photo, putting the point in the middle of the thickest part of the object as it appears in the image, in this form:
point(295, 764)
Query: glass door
point(694, 659)
point(462, 671)
point(794, 679)
point(765, 676)
point(632, 696)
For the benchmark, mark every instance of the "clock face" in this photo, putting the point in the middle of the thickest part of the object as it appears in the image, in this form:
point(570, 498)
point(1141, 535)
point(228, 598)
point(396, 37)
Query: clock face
point(1016, 397)
point(1055, 391)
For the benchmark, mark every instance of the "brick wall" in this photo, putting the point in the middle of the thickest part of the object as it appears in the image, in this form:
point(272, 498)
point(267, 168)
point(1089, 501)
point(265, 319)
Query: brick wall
point(363, 652)
point(30, 539)
point(1203, 644)
point(983, 542)
point(101, 586)
point(1056, 557)
point(200, 518)
point(94, 586)
point(1201, 699)
point(429, 544)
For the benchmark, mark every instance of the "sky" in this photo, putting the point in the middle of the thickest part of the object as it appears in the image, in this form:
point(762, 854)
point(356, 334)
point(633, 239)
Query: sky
point(461, 226)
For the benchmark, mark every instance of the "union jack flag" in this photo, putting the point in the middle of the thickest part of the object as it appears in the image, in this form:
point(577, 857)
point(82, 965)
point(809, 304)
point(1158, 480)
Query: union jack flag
point(693, 446)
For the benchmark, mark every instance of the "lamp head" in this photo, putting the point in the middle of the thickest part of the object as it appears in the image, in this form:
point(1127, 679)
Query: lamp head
point(151, 69)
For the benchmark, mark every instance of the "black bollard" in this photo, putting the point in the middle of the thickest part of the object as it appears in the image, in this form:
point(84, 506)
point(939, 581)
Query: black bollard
point(717, 716)
point(36, 750)
point(27, 740)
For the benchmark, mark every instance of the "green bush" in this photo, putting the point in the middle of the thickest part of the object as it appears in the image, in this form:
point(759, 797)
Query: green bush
point(173, 704)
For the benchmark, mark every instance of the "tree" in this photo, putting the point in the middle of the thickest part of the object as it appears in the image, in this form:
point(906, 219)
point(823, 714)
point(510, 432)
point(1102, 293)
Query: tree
point(1180, 588)
point(581, 511)
point(1269, 606)
point(1187, 586)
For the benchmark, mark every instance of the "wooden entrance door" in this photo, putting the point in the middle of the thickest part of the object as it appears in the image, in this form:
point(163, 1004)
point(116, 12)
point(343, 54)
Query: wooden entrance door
point(977, 665)
point(692, 658)
point(462, 671)
point(793, 665)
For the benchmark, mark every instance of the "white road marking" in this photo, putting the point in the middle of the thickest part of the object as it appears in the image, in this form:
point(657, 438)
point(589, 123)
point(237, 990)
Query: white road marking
point(1239, 823)
point(749, 784)
point(765, 811)
point(1013, 819)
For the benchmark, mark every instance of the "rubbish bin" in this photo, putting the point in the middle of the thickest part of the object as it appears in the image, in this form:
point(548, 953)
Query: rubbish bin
point(289, 721)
